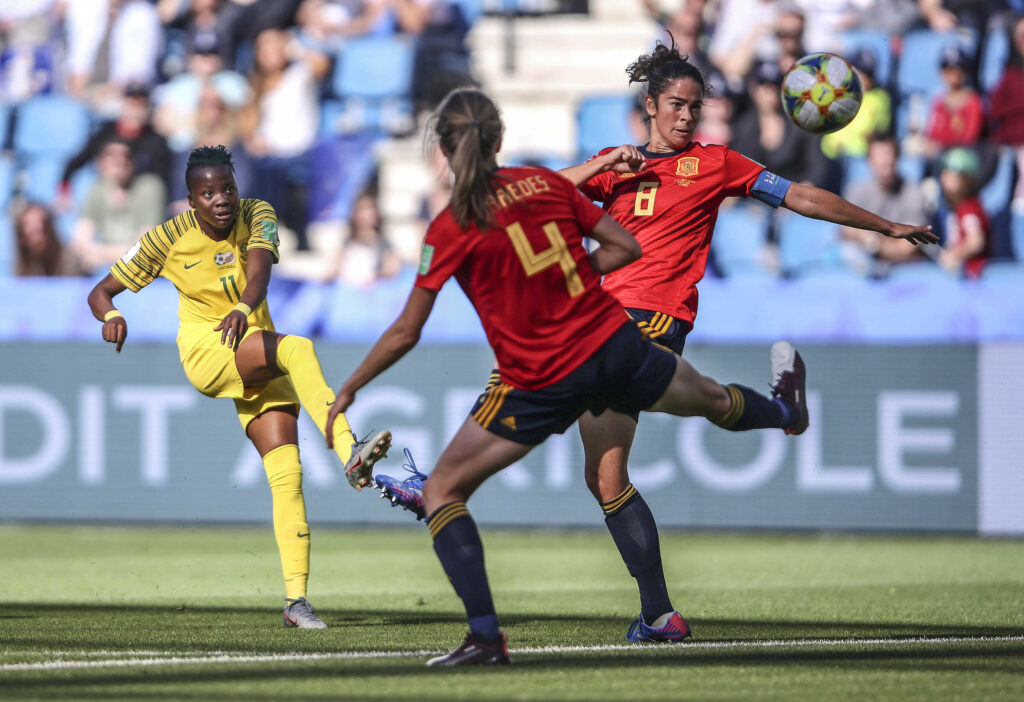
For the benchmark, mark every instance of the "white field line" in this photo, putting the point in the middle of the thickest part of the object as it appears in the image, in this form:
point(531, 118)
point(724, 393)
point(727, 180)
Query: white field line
point(152, 658)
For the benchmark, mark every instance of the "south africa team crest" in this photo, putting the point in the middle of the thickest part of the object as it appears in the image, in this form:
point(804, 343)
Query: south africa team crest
point(687, 166)
point(225, 258)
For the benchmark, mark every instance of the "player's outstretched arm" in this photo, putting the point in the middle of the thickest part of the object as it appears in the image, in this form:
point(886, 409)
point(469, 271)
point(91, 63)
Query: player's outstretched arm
point(624, 159)
point(617, 246)
point(101, 302)
point(398, 340)
point(821, 204)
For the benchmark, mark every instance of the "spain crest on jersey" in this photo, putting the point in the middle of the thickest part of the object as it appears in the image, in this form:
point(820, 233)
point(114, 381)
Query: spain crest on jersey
point(687, 166)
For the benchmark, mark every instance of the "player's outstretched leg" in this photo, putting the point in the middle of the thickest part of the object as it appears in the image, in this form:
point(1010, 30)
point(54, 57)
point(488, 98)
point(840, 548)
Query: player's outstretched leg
point(736, 407)
point(406, 492)
point(296, 356)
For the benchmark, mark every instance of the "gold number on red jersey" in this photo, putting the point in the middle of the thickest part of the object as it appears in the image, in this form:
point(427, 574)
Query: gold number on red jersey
point(537, 261)
point(643, 206)
point(224, 280)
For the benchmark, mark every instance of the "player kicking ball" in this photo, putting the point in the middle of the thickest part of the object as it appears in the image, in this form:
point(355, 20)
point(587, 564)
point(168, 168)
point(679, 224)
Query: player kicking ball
point(513, 238)
point(219, 256)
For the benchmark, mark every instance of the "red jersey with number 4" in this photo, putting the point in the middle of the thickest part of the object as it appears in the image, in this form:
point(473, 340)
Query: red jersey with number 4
point(529, 277)
point(670, 207)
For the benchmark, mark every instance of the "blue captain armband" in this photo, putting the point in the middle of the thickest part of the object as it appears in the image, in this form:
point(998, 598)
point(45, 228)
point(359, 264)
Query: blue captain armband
point(770, 188)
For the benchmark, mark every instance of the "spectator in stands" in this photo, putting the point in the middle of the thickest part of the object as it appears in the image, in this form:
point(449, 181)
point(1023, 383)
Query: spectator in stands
point(890, 196)
point(715, 126)
point(177, 101)
point(215, 123)
point(132, 126)
point(874, 116)
point(744, 34)
point(765, 134)
point(946, 15)
point(120, 207)
point(968, 240)
point(279, 125)
point(825, 21)
point(1006, 104)
point(789, 31)
point(111, 43)
point(893, 17)
point(686, 25)
point(39, 249)
point(28, 48)
point(365, 256)
point(956, 117)
point(207, 23)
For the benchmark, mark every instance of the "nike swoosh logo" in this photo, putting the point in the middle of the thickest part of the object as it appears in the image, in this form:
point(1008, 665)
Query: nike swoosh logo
point(189, 265)
point(330, 403)
point(301, 535)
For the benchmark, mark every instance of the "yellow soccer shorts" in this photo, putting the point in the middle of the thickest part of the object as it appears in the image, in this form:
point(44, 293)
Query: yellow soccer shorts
point(210, 367)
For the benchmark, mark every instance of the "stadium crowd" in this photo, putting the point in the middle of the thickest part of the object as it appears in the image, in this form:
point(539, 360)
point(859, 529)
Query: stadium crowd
point(101, 101)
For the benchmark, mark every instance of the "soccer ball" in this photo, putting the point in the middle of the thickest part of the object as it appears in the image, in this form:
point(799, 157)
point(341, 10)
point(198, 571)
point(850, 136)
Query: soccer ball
point(822, 93)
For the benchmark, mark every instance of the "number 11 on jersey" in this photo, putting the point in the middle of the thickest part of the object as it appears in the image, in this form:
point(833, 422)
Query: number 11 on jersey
point(224, 280)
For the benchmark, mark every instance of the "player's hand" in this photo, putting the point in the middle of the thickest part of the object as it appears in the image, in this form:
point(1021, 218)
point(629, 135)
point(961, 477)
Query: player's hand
point(341, 403)
point(625, 159)
point(914, 234)
point(232, 328)
point(115, 331)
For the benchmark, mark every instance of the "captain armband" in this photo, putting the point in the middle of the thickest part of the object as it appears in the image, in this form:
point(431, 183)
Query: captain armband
point(770, 188)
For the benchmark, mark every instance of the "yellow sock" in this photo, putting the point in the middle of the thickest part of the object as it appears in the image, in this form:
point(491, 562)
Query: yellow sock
point(297, 357)
point(284, 473)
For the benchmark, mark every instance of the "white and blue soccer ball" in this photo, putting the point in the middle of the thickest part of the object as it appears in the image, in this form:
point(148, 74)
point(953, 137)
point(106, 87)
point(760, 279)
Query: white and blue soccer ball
point(822, 93)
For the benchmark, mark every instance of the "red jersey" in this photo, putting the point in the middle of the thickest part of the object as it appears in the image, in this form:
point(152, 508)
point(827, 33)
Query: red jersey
point(670, 207)
point(956, 126)
point(529, 276)
point(969, 214)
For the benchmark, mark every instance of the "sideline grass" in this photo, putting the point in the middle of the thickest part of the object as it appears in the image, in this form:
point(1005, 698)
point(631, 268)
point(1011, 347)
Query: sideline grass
point(915, 618)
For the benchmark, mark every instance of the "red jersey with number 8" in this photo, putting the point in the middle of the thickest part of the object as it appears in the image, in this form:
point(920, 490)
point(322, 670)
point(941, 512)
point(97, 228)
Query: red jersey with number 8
point(670, 207)
point(529, 276)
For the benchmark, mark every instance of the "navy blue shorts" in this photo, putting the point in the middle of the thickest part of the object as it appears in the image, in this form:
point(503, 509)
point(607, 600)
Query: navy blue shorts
point(627, 374)
point(662, 329)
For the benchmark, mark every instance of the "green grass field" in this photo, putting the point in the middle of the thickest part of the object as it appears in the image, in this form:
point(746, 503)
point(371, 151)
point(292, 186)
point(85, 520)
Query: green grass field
point(195, 613)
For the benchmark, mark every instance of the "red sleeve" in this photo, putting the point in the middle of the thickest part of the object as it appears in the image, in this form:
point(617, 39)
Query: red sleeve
point(740, 173)
point(442, 253)
point(587, 213)
point(598, 188)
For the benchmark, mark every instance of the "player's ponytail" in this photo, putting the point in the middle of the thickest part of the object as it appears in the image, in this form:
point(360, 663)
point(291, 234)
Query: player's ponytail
point(662, 66)
point(468, 127)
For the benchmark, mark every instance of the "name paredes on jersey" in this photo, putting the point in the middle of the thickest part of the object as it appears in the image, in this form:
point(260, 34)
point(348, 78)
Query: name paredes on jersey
point(519, 190)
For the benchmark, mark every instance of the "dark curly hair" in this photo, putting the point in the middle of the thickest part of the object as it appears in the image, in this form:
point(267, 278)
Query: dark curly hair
point(662, 66)
point(207, 156)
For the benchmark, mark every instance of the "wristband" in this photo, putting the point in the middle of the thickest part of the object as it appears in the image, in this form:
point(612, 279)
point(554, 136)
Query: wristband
point(243, 308)
point(111, 314)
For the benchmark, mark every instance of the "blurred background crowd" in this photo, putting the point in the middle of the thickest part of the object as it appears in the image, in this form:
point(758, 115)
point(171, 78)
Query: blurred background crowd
point(323, 102)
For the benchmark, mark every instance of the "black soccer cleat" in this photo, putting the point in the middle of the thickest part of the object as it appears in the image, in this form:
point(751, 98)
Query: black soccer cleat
point(476, 651)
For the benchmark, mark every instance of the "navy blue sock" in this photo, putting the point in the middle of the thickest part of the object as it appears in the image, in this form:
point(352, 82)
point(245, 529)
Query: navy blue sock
point(752, 410)
point(458, 547)
point(635, 533)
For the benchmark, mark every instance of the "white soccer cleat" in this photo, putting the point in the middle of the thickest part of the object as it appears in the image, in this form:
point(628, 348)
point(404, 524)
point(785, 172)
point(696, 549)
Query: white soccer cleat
point(365, 453)
point(789, 381)
point(299, 614)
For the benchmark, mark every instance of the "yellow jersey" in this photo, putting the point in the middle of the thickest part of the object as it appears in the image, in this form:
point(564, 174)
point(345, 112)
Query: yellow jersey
point(209, 275)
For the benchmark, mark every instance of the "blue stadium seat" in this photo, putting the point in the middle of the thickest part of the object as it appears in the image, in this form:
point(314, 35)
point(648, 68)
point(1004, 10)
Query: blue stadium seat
point(994, 54)
point(373, 81)
point(879, 43)
point(471, 10)
point(738, 242)
point(997, 192)
point(603, 120)
point(7, 244)
point(50, 124)
point(855, 170)
point(808, 247)
point(1017, 235)
point(8, 171)
point(1010, 272)
point(5, 121)
point(42, 176)
point(919, 70)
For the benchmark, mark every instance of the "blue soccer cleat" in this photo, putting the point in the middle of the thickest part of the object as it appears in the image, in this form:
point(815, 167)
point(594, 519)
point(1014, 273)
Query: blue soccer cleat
point(674, 630)
point(408, 493)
